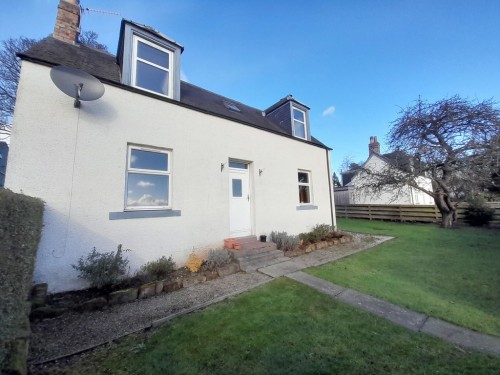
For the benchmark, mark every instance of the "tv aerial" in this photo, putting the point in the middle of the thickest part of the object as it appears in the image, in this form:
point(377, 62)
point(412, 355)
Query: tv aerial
point(76, 83)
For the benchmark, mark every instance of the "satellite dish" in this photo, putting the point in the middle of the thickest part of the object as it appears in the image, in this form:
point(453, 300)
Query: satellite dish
point(76, 83)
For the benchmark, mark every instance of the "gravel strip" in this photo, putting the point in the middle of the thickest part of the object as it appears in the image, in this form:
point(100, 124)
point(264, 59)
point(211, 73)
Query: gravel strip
point(74, 331)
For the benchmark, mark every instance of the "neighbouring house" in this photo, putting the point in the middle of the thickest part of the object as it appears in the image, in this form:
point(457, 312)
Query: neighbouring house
point(4, 154)
point(157, 164)
point(353, 191)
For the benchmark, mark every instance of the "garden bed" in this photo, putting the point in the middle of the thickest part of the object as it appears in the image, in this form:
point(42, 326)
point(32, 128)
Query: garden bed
point(128, 291)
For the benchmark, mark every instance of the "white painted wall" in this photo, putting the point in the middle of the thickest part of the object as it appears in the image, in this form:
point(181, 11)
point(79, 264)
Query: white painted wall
point(407, 195)
point(75, 160)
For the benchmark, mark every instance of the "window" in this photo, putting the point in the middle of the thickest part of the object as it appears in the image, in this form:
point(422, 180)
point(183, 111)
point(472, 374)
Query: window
point(304, 179)
point(299, 123)
point(152, 67)
point(149, 179)
point(231, 106)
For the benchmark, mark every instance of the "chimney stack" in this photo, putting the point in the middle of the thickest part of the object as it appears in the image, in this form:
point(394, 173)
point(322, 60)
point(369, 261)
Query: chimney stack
point(374, 146)
point(67, 27)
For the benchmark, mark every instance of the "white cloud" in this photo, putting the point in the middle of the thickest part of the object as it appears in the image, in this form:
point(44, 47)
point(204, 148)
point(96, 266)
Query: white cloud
point(147, 200)
point(133, 159)
point(329, 111)
point(145, 184)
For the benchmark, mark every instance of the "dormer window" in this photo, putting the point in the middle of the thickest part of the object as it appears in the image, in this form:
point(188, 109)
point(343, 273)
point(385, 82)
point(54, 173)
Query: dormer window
point(299, 123)
point(291, 116)
point(151, 66)
point(149, 60)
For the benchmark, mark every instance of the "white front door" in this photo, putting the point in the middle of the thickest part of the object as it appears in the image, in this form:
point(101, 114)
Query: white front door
point(239, 200)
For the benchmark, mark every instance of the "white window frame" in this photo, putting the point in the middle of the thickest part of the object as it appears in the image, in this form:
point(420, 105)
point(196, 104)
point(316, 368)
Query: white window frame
point(149, 172)
point(308, 184)
point(170, 70)
point(302, 122)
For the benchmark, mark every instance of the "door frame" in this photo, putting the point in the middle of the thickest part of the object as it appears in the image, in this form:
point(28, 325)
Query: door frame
point(251, 195)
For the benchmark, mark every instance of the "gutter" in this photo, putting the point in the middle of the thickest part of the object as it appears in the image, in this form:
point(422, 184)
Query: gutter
point(330, 190)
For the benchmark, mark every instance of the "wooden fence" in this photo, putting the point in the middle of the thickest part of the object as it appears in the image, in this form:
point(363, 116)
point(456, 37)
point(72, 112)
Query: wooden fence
point(419, 213)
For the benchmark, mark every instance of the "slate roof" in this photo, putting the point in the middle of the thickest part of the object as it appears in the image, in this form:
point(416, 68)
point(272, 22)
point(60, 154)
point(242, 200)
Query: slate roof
point(104, 66)
point(398, 159)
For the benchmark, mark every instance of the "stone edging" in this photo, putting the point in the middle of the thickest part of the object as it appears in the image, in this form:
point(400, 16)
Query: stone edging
point(131, 294)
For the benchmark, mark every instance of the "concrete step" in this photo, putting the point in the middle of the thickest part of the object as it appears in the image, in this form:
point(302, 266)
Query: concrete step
point(246, 239)
point(261, 248)
point(254, 266)
point(267, 255)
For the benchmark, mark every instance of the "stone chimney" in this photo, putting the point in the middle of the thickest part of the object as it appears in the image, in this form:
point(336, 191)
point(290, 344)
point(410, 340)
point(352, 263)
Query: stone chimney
point(374, 146)
point(67, 27)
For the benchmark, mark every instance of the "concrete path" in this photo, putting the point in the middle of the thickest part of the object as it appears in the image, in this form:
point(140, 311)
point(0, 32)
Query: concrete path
point(412, 320)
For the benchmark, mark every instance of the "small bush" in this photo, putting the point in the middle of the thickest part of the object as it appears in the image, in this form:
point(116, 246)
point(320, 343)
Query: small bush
point(157, 269)
point(102, 269)
point(217, 258)
point(307, 238)
point(194, 262)
point(284, 241)
point(321, 231)
point(478, 213)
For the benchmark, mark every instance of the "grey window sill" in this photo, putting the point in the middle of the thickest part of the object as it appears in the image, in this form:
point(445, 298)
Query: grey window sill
point(143, 214)
point(307, 207)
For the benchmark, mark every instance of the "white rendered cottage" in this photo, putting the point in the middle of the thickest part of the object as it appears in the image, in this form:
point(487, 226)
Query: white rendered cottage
point(156, 164)
point(356, 189)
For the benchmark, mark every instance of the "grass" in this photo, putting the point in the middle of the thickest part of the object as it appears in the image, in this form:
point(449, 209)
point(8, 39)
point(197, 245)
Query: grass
point(283, 328)
point(450, 274)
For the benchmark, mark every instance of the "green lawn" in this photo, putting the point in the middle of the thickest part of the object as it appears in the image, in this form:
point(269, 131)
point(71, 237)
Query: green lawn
point(450, 274)
point(283, 328)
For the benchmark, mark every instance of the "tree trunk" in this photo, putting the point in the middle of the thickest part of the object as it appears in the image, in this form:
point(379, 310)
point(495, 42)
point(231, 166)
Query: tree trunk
point(447, 218)
point(447, 209)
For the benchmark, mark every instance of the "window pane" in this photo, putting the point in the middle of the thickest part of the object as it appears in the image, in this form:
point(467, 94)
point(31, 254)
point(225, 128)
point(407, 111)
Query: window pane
point(298, 115)
point(299, 129)
point(154, 55)
point(304, 196)
point(147, 190)
point(141, 159)
point(304, 177)
point(234, 164)
point(151, 78)
point(237, 190)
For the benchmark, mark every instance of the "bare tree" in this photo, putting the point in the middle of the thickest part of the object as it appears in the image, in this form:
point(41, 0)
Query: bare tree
point(454, 142)
point(9, 77)
point(89, 38)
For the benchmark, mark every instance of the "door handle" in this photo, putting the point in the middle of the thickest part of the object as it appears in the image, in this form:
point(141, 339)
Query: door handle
point(248, 197)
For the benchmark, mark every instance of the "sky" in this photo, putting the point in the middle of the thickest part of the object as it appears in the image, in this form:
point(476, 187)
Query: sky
point(355, 63)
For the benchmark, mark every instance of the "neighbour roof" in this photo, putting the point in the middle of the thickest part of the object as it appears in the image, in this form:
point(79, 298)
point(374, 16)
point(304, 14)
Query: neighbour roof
point(104, 66)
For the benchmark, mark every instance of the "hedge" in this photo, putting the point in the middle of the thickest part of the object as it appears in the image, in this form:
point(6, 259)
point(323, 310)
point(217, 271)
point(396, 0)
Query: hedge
point(21, 220)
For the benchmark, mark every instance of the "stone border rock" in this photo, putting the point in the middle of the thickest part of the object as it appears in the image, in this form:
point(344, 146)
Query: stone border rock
point(151, 289)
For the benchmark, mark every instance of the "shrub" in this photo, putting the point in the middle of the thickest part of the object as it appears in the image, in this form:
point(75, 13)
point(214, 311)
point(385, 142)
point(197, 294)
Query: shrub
point(20, 229)
point(158, 269)
point(321, 231)
point(217, 258)
point(194, 262)
point(478, 213)
point(102, 269)
point(284, 241)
